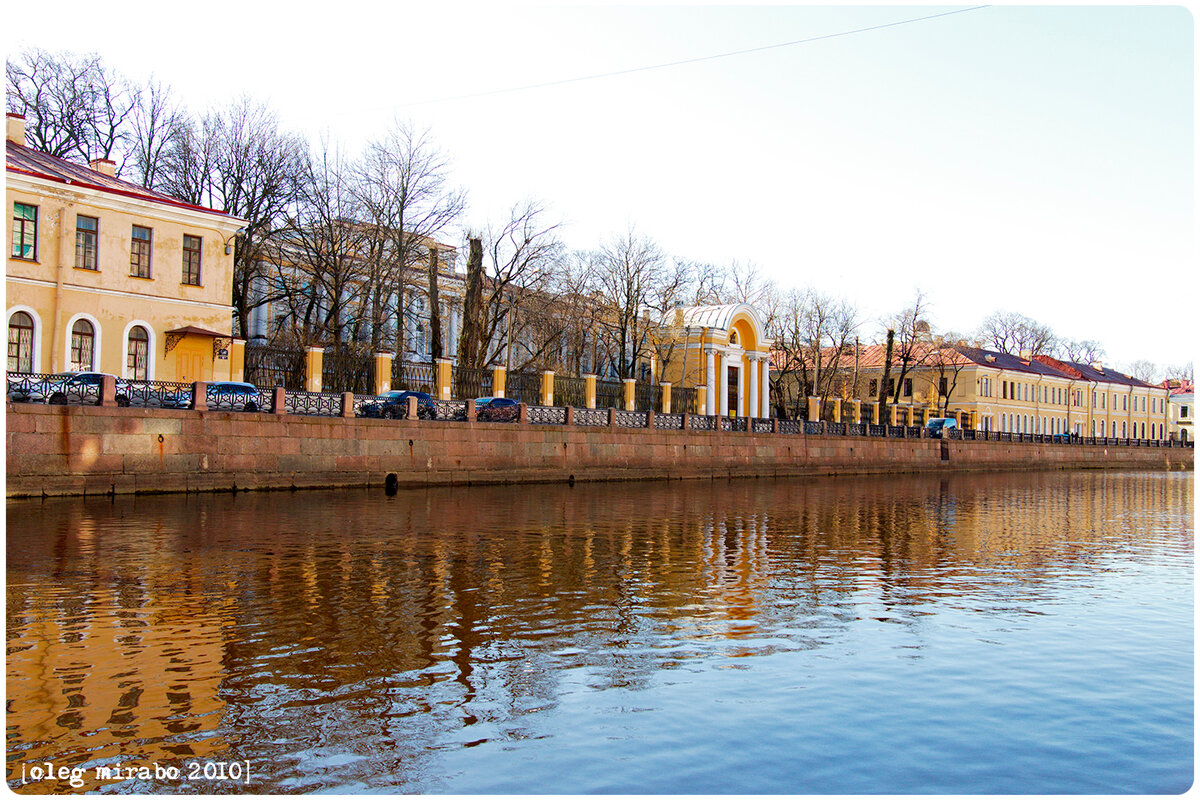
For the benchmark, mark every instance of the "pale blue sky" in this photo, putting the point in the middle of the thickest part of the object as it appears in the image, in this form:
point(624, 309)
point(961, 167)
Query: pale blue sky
point(1031, 159)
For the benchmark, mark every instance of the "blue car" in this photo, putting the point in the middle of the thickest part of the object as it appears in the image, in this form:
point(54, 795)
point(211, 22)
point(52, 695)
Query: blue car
point(394, 405)
point(233, 396)
point(496, 409)
point(935, 426)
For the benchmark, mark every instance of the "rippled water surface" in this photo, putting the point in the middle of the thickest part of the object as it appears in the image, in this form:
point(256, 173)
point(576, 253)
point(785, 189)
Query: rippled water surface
point(983, 633)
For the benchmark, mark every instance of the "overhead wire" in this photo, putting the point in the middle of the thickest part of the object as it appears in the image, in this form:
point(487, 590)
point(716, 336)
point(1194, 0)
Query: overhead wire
point(685, 61)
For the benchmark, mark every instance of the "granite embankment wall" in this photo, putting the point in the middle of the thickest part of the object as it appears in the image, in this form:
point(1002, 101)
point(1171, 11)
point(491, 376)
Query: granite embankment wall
point(75, 450)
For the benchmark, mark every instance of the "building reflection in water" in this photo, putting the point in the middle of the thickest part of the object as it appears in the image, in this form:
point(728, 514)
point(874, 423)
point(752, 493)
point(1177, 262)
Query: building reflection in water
point(358, 633)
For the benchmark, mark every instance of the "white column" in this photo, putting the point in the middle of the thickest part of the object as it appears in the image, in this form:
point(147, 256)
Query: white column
point(723, 390)
point(710, 383)
point(752, 408)
point(765, 393)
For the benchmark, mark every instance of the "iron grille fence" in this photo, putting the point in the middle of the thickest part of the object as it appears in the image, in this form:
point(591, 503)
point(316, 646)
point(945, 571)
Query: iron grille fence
point(268, 366)
point(683, 399)
point(856, 429)
point(790, 426)
point(591, 417)
point(703, 422)
point(610, 394)
point(647, 397)
point(631, 419)
point(835, 428)
point(668, 422)
point(877, 430)
point(348, 370)
point(547, 415)
point(570, 391)
point(471, 382)
point(524, 387)
point(811, 427)
point(414, 376)
point(763, 426)
point(316, 404)
point(58, 389)
point(450, 410)
point(154, 394)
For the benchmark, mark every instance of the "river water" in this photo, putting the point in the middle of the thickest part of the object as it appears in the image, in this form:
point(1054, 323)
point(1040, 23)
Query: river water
point(987, 633)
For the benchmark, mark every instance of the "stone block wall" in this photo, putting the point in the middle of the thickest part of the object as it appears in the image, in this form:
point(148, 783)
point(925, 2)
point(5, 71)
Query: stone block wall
point(71, 450)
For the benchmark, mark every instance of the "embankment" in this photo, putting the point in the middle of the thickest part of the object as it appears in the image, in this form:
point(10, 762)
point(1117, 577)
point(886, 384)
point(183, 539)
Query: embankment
point(77, 450)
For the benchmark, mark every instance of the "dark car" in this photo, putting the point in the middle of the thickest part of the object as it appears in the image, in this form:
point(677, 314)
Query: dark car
point(935, 426)
point(233, 396)
point(394, 405)
point(59, 389)
point(496, 409)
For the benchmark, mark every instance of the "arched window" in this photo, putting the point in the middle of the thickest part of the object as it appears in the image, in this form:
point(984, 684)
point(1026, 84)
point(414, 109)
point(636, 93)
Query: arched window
point(20, 342)
point(82, 338)
point(137, 354)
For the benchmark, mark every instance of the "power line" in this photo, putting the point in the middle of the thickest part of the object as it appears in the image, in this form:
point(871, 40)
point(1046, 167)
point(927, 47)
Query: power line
point(685, 61)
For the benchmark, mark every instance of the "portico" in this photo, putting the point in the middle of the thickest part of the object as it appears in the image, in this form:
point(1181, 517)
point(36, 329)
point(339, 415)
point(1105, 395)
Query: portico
point(727, 353)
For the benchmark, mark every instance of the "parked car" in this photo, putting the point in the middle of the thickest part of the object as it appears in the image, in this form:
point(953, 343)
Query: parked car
point(393, 405)
point(496, 409)
point(935, 426)
point(232, 396)
point(59, 389)
point(145, 393)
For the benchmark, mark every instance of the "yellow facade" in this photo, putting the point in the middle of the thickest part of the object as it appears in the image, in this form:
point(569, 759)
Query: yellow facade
point(723, 349)
point(73, 274)
point(1029, 395)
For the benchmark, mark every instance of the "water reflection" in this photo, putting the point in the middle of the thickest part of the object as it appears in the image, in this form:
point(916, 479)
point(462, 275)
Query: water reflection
point(359, 642)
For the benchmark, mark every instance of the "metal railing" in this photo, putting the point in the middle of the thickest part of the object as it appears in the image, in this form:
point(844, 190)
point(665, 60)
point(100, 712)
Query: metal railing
point(351, 370)
point(268, 366)
point(570, 391)
point(470, 382)
point(62, 389)
point(610, 394)
point(524, 387)
point(414, 376)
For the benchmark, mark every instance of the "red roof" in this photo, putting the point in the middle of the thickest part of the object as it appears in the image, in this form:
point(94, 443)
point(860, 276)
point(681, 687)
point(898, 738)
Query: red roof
point(27, 161)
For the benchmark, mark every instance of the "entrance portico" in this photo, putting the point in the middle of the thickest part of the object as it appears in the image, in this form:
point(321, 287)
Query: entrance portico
point(727, 352)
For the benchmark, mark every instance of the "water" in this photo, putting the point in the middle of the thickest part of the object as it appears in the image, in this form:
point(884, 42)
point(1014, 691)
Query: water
point(990, 633)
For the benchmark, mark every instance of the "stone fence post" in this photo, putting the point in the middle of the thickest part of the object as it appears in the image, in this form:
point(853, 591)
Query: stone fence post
point(314, 365)
point(200, 396)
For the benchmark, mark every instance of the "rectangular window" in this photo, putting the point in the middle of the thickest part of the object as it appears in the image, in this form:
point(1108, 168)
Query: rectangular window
point(908, 387)
point(191, 260)
point(943, 387)
point(1004, 390)
point(139, 252)
point(873, 388)
point(1183, 412)
point(85, 241)
point(24, 231)
point(1124, 402)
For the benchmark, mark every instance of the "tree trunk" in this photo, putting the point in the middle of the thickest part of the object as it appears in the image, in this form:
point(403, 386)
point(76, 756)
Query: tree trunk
point(887, 374)
point(435, 313)
point(470, 351)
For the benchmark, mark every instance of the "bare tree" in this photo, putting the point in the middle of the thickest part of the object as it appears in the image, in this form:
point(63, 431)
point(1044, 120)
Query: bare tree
point(1145, 371)
point(1013, 333)
point(73, 105)
point(157, 123)
point(814, 333)
point(911, 341)
point(1080, 352)
point(403, 187)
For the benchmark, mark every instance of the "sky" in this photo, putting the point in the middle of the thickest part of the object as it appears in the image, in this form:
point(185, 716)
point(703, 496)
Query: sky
point(1038, 160)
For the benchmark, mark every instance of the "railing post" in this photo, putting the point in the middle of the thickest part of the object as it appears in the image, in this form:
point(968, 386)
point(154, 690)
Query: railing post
point(666, 397)
point(547, 387)
point(814, 409)
point(200, 396)
point(472, 412)
point(108, 391)
point(523, 413)
point(627, 386)
point(383, 372)
point(687, 420)
point(314, 364)
point(443, 378)
point(410, 411)
point(650, 418)
point(570, 415)
point(347, 404)
point(279, 400)
point(237, 360)
point(589, 391)
point(499, 375)
point(612, 417)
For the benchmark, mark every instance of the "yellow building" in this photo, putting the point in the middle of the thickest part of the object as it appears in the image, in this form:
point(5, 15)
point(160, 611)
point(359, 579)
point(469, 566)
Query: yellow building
point(1016, 393)
point(723, 349)
point(104, 275)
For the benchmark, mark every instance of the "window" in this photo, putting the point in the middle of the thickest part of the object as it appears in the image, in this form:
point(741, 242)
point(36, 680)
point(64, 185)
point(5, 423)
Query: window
point(943, 387)
point(139, 254)
point(82, 338)
point(137, 361)
point(1004, 389)
point(908, 387)
point(191, 260)
point(20, 343)
point(1124, 402)
point(24, 231)
point(85, 241)
point(1183, 410)
point(873, 387)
